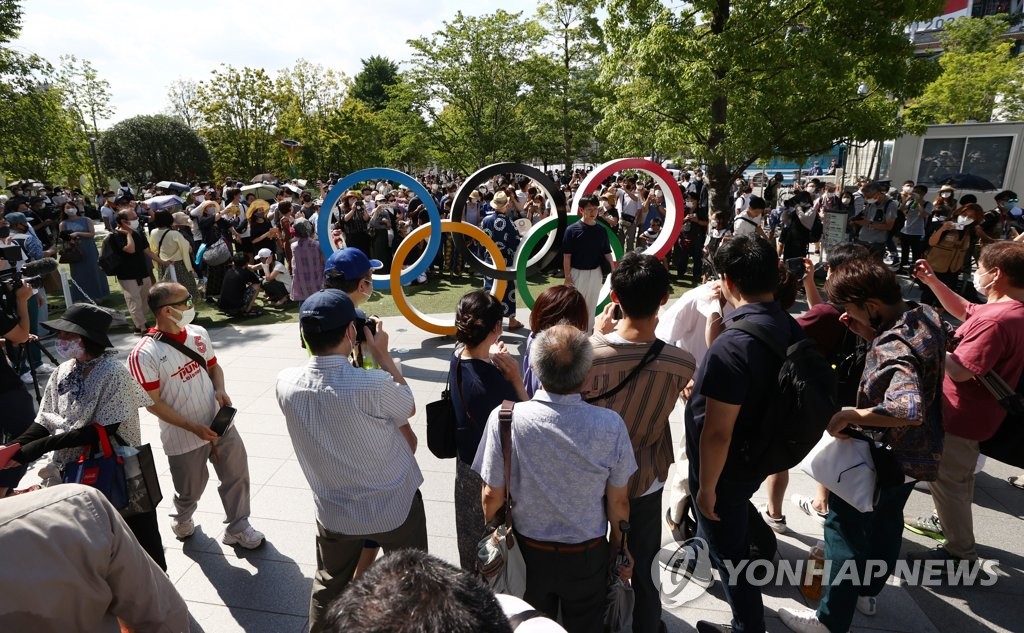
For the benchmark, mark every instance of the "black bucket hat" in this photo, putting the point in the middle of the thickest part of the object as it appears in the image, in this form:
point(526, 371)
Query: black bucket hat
point(85, 320)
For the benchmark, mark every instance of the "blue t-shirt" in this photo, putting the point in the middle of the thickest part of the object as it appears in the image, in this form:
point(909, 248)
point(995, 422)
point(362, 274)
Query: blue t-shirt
point(587, 244)
point(738, 369)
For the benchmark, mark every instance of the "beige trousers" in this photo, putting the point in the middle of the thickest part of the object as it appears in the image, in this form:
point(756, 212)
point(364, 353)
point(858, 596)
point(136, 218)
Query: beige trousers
point(136, 295)
point(953, 494)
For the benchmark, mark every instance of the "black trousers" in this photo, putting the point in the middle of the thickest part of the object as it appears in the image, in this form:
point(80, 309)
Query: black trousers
point(146, 531)
point(18, 414)
point(577, 582)
point(644, 541)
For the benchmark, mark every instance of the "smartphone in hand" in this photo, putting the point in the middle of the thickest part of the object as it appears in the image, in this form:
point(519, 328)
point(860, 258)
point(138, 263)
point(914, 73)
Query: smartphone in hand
point(222, 421)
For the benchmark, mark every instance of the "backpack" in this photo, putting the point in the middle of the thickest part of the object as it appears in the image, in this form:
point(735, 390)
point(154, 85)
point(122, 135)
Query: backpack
point(848, 360)
point(110, 258)
point(801, 407)
point(816, 229)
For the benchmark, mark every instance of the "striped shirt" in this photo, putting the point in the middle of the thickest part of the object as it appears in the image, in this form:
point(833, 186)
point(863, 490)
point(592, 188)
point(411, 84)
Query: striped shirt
point(344, 423)
point(644, 404)
point(183, 384)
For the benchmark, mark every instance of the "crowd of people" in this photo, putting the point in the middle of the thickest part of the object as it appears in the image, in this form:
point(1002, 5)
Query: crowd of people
point(591, 446)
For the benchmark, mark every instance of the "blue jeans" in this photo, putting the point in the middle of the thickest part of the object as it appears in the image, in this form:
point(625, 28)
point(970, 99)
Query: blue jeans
point(729, 541)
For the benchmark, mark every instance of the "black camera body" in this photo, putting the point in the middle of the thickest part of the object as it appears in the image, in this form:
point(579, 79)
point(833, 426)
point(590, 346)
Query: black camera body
point(372, 322)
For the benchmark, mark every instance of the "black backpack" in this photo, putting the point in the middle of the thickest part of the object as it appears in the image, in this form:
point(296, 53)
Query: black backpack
point(803, 403)
point(110, 257)
point(816, 229)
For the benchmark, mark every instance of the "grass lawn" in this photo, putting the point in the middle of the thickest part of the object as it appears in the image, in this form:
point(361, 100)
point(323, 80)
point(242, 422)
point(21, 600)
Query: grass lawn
point(439, 295)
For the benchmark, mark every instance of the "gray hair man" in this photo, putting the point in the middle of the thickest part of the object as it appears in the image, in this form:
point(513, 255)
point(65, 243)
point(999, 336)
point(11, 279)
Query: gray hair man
point(570, 464)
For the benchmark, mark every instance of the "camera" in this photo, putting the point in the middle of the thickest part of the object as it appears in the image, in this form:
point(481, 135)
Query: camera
point(372, 322)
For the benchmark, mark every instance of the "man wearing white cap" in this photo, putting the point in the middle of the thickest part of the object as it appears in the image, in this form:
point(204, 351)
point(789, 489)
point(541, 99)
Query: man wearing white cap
point(277, 283)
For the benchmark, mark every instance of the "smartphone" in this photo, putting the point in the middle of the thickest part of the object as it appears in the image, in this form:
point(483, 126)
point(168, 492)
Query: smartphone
point(796, 266)
point(617, 312)
point(222, 421)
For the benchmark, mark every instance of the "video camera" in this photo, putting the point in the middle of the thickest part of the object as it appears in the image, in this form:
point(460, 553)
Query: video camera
point(30, 273)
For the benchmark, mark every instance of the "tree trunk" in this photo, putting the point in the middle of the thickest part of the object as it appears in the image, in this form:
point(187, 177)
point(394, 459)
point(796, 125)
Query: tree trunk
point(719, 174)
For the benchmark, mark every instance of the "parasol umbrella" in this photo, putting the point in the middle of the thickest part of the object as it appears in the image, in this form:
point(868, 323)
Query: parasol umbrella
point(159, 203)
point(263, 178)
point(618, 615)
point(967, 181)
point(297, 190)
point(263, 191)
point(172, 186)
point(35, 184)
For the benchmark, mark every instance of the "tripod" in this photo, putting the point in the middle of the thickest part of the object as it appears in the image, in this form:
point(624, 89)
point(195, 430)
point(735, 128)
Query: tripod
point(22, 354)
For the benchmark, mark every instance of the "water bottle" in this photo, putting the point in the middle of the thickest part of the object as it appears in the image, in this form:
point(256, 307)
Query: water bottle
point(814, 573)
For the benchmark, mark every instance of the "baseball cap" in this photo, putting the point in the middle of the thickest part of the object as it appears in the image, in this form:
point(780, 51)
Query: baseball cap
point(380, 198)
point(16, 218)
point(351, 263)
point(326, 310)
point(264, 253)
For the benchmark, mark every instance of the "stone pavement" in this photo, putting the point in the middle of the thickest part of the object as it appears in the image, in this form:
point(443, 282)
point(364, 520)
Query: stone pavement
point(267, 590)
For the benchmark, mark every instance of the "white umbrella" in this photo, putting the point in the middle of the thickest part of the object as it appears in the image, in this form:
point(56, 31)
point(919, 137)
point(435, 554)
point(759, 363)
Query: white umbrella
point(173, 186)
point(159, 203)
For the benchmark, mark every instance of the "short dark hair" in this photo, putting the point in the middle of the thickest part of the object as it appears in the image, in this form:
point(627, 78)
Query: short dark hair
point(322, 341)
point(859, 280)
point(444, 599)
point(476, 316)
point(161, 293)
point(122, 216)
point(844, 252)
point(756, 202)
point(338, 282)
point(231, 194)
point(162, 220)
point(640, 282)
point(284, 207)
point(587, 201)
point(1008, 257)
point(969, 198)
point(239, 260)
point(750, 263)
point(557, 304)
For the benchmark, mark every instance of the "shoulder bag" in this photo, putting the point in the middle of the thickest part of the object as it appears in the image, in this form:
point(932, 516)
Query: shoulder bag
point(142, 486)
point(70, 252)
point(652, 353)
point(105, 472)
point(500, 556)
point(441, 423)
point(1007, 445)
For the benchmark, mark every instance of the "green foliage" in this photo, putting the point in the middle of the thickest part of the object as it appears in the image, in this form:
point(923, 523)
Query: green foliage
point(42, 139)
point(239, 109)
point(469, 80)
point(404, 135)
point(310, 96)
point(977, 65)
point(372, 83)
point(183, 95)
point(154, 148)
point(85, 93)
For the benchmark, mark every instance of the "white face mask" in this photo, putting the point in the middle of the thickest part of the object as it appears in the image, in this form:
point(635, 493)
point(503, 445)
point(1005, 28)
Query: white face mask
point(976, 280)
point(71, 212)
point(690, 204)
point(907, 189)
point(185, 318)
point(200, 198)
point(70, 349)
point(134, 224)
point(965, 220)
point(947, 194)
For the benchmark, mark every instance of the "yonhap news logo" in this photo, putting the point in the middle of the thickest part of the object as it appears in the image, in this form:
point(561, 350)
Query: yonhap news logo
point(683, 572)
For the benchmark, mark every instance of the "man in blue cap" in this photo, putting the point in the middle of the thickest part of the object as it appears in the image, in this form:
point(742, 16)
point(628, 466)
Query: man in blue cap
point(351, 435)
point(351, 271)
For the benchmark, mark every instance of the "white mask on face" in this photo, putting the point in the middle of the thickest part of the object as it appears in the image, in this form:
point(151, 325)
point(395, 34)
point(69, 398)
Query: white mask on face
point(134, 224)
point(690, 204)
point(70, 349)
point(976, 280)
point(71, 212)
point(907, 189)
point(185, 318)
point(965, 220)
point(947, 194)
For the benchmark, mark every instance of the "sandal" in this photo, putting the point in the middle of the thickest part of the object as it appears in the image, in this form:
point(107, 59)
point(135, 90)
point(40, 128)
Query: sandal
point(1016, 481)
point(514, 324)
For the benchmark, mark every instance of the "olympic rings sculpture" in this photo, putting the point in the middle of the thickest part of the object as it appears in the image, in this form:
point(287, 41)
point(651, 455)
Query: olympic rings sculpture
point(551, 228)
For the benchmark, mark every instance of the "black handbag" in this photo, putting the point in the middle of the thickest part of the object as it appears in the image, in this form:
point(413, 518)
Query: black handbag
point(1007, 445)
point(70, 252)
point(441, 424)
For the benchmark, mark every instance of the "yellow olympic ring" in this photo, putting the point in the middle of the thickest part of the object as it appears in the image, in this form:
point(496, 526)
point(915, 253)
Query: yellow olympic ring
point(416, 317)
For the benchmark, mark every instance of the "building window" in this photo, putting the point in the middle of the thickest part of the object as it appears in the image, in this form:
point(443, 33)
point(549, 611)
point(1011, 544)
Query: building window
point(984, 156)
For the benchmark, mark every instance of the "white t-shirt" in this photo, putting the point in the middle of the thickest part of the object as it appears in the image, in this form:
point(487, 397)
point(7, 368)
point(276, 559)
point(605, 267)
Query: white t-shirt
point(683, 323)
point(284, 277)
point(745, 225)
point(741, 204)
point(184, 385)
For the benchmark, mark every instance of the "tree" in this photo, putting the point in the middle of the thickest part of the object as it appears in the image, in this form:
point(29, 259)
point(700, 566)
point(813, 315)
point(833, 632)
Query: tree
point(353, 135)
point(309, 94)
point(184, 97)
point(372, 82)
point(562, 107)
point(404, 135)
point(469, 80)
point(42, 139)
point(151, 148)
point(978, 65)
point(85, 93)
point(239, 109)
point(732, 81)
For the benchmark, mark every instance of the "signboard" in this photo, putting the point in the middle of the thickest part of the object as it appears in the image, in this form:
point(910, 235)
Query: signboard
point(952, 10)
point(833, 230)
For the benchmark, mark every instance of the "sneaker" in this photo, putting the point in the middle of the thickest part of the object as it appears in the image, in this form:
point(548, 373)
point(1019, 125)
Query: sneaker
point(806, 505)
point(922, 486)
point(703, 626)
point(183, 529)
point(802, 621)
point(777, 525)
point(27, 378)
point(935, 553)
point(249, 538)
point(45, 368)
point(868, 605)
point(926, 526)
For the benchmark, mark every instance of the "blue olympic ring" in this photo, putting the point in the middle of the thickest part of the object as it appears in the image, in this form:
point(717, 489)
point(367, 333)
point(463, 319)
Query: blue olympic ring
point(420, 266)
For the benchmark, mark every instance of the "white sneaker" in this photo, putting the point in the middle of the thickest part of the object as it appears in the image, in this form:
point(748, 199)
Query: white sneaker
point(183, 529)
point(777, 525)
point(249, 538)
point(802, 621)
point(27, 378)
point(45, 368)
point(868, 605)
point(807, 506)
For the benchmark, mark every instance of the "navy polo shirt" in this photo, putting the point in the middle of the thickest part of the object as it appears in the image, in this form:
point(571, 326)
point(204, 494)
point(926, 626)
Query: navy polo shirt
point(587, 244)
point(739, 369)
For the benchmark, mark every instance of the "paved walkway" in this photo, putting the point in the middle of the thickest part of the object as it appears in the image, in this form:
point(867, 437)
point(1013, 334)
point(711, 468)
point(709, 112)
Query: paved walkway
point(267, 590)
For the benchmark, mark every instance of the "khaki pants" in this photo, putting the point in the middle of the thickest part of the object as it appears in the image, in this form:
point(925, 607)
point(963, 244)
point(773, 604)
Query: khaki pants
point(189, 472)
point(953, 493)
point(338, 554)
point(588, 283)
point(136, 295)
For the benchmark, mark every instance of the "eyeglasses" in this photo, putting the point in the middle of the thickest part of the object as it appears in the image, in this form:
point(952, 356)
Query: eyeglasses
point(187, 302)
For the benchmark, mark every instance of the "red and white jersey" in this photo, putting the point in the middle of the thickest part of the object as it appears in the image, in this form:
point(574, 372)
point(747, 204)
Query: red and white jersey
point(184, 385)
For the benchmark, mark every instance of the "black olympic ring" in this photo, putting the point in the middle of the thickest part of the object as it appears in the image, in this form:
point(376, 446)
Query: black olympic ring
point(462, 197)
